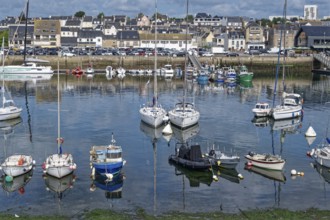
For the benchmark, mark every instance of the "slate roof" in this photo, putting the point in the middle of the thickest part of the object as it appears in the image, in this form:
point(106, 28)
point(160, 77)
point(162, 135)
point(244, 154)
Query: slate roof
point(72, 23)
point(202, 15)
point(315, 30)
point(88, 19)
point(89, 34)
point(128, 35)
point(68, 41)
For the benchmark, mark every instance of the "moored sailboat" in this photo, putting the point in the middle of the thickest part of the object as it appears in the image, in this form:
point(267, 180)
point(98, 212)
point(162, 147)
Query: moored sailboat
point(154, 113)
point(184, 114)
point(59, 164)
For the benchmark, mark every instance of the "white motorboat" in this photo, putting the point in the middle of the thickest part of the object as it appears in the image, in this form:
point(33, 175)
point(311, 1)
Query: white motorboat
point(222, 159)
point(290, 108)
point(109, 72)
point(90, 71)
point(261, 109)
point(121, 73)
point(18, 164)
point(59, 164)
point(30, 69)
point(167, 71)
point(266, 161)
point(153, 114)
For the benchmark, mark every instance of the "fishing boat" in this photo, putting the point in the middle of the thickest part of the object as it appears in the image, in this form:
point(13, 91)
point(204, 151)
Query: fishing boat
point(59, 164)
point(31, 69)
point(190, 157)
point(107, 159)
point(202, 78)
point(17, 184)
point(261, 109)
point(17, 164)
point(265, 161)
point(219, 158)
point(154, 113)
point(243, 74)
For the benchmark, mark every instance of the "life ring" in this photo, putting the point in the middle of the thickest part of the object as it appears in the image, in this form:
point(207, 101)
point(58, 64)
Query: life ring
point(60, 140)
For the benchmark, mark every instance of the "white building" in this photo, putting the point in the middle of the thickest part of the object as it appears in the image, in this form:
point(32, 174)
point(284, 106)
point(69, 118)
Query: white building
point(310, 12)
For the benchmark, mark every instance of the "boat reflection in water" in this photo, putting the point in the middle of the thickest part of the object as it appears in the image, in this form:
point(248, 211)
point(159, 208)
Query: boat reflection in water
point(17, 184)
point(229, 174)
point(260, 121)
point(323, 171)
point(112, 188)
point(276, 175)
point(195, 177)
point(289, 126)
point(185, 135)
point(59, 185)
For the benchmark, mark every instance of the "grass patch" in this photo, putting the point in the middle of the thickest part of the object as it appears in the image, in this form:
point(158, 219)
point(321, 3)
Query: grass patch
point(140, 214)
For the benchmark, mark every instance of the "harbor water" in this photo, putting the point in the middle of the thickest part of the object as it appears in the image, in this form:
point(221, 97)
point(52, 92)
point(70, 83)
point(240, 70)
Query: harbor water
point(93, 109)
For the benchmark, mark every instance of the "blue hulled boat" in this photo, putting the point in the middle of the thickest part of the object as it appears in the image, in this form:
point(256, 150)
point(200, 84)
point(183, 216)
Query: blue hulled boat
point(107, 159)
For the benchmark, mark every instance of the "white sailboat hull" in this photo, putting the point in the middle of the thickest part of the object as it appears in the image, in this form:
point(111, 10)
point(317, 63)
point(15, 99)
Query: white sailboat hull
point(13, 167)
point(183, 119)
point(285, 112)
point(153, 116)
point(322, 156)
point(59, 165)
point(9, 112)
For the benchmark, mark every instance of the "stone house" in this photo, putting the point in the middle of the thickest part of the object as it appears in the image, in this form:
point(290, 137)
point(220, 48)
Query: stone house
point(47, 33)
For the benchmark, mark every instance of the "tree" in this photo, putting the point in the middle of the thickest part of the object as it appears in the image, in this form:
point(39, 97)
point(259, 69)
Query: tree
point(100, 15)
point(79, 14)
point(4, 34)
point(189, 18)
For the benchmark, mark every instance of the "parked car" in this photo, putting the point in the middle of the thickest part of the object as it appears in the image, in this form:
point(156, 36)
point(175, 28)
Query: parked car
point(232, 54)
point(68, 54)
point(254, 52)
point(207, 54)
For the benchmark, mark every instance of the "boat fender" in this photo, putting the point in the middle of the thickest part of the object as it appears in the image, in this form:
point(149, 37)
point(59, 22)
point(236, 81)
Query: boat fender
point(9, 179)
point(218, 162)
point(240, 176)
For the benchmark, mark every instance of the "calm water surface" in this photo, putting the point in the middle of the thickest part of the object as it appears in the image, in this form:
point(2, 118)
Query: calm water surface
point(92, 109)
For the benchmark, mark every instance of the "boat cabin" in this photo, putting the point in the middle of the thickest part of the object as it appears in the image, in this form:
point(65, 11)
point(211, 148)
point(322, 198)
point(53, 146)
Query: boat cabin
point(262, 106)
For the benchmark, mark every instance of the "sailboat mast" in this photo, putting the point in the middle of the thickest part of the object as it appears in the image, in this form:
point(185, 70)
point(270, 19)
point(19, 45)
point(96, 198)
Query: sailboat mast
point(25, 34)
point(284, 46)
point(185, 59)
point(3, 70)
point(155, 98)
point(58, 108)
point(278, 61)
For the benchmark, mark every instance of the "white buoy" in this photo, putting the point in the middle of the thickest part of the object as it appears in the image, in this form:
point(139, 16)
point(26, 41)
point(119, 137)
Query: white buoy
point(310, 140)
point(310, 132)
point(167, 130)
point(293, 172)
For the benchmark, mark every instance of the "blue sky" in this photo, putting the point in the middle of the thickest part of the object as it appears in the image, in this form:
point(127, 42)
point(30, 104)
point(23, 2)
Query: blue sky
point(172, 8)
